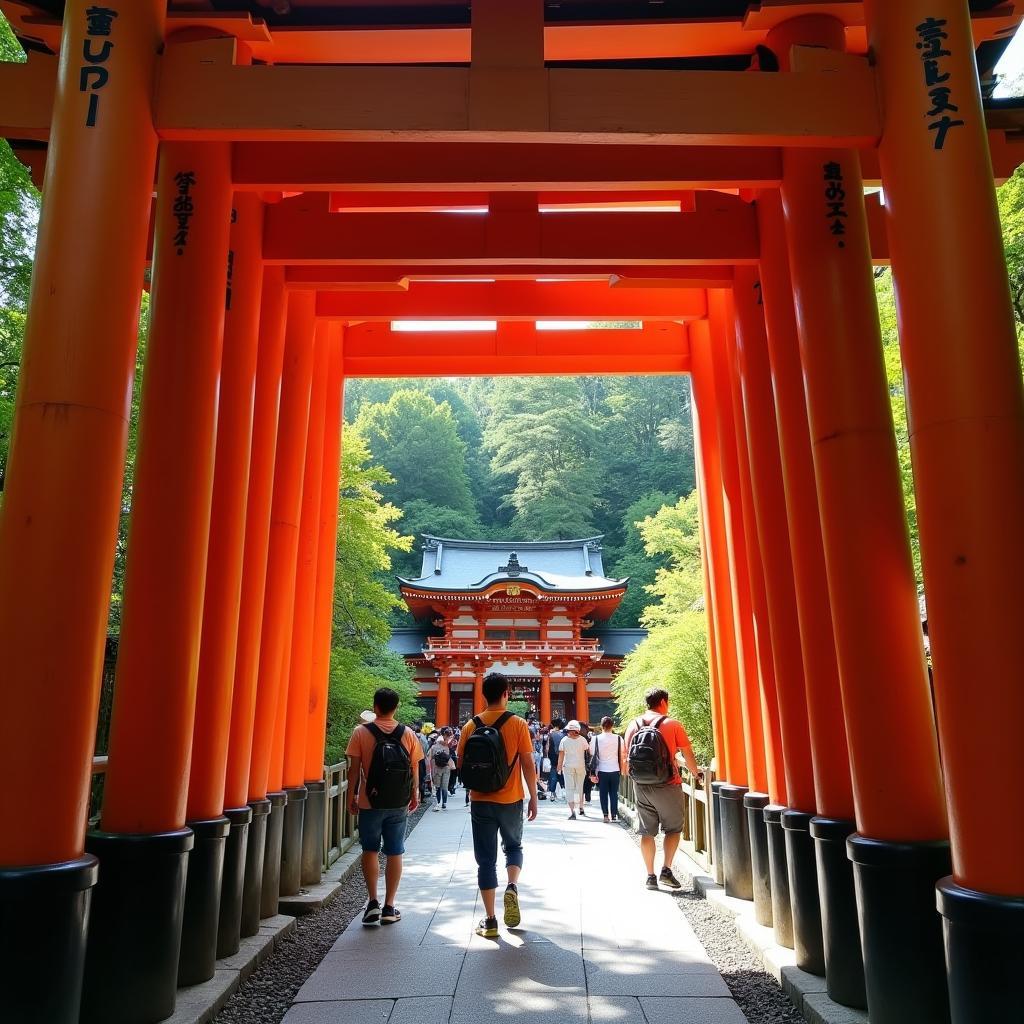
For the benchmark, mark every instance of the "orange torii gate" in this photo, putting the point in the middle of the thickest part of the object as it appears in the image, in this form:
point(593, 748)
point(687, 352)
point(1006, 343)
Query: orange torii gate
point(303, 171)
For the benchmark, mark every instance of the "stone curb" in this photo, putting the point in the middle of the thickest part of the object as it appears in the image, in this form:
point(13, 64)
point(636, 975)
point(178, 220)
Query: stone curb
point(315, 897)
point(807, 992)
point(199, 1004)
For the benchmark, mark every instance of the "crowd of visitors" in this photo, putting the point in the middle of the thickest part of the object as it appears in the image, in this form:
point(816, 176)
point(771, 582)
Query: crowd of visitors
point(506, 764)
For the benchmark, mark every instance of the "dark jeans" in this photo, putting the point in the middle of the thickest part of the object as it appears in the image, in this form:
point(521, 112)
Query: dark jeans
point(489, 821)
point(554, 779)
point(608, 787)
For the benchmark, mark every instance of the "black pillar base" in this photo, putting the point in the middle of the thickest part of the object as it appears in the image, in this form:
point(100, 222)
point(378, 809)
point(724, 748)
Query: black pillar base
point(198, 960)
point(44, 917)
point(270, 884)
point(716, 836)
point(803, 892)
point(984, 953)
point(844, 963)
point(229, 918)
point(739, 881)
point(313, 833)
point(754, 804)
point(252, 883)
point(131, 966)
point(782, 911)
point(901, 933)
point(291, 841)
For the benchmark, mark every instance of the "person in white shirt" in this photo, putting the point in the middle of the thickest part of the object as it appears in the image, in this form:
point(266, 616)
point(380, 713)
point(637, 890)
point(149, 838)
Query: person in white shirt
point(608, 762)
point(572, 763)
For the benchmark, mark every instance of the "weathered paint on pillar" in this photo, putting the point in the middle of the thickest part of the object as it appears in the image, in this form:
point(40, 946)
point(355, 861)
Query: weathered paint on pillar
point(219, 640)
point(293, 422)
point(886, 697)
point(545, 698)
point(722, 328)
point(443, 715)
point(775, 758)
point(158, 656)
point(582, 702)
point(62, 491)
point(966, 416)
point(709, 480)
point(298, 663)
point(327, 550)
point(769, 504)
point(830, 754)
point(257, 533)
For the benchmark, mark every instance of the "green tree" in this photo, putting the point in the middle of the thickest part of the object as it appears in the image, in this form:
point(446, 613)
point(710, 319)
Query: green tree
point(543, 442)
point(675, 653)
point(417, 441)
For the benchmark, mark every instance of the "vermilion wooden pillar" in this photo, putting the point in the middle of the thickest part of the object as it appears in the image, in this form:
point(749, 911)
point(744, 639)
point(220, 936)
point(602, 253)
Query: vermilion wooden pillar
point(727, 795)
point(326, 558)
point(62, 493)
point(442, 716)
point(293, 424)
point(582, 702)
point(806, 877)
point(254, 571)
point(714, 679)
point(136, 935)
point(296, 672)
point(202, 940)
point(901, 849)
point(545, 699)
point(966, 416)
point(722, 332)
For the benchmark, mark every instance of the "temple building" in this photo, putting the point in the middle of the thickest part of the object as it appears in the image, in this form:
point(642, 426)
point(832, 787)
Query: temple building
point(536, 611)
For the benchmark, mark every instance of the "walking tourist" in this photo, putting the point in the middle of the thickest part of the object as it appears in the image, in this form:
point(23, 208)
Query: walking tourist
point(496, 755)
point(655, 744)
point(555, 737)
point(451, 737)
point(423, 737)
point(572, 766)
point(439, 764)
point(607, 762)
point(383, 757)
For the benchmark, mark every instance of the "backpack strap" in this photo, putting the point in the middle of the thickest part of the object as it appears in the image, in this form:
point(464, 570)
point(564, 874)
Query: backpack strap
point(657, 724)
point(502, 719)
point(478, 722)
point(380, 735)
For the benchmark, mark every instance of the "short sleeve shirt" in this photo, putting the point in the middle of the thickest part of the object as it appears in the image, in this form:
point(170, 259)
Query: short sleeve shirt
point(515, 734)
point(575, 751)
point(361, 745)
point(674, 735)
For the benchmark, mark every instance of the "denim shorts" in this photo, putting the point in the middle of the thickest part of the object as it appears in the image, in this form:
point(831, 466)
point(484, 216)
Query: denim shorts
point(383, 826)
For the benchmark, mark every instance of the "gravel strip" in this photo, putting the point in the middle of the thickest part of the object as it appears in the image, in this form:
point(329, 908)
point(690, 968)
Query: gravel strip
point(266, 995)
point(758, 994)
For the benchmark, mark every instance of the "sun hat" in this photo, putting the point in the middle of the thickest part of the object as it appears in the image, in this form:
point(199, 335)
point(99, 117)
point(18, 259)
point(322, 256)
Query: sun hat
point(573, 725)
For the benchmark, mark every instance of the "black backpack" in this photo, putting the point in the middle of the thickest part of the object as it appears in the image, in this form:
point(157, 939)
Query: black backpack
point(442, 757)
point(389, 778)
point(484, 767)
point(650, 763)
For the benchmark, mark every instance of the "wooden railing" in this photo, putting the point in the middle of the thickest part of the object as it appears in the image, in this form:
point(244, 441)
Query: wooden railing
point(698, 819)
point(440, 643)
point(339, 822)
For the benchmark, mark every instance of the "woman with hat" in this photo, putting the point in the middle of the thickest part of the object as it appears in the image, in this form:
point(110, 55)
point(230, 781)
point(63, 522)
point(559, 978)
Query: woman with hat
point(572, 763)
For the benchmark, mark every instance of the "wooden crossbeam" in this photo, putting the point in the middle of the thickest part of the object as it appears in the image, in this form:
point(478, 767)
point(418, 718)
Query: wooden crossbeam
point(376, 350)
point(515, 301)
point(721, 230)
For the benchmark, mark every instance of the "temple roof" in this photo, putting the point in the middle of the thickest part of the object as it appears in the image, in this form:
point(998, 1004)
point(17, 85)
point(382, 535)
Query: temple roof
point(572, 566)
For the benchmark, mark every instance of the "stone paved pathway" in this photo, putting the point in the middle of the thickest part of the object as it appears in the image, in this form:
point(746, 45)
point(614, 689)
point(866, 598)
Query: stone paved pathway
point(595, 947)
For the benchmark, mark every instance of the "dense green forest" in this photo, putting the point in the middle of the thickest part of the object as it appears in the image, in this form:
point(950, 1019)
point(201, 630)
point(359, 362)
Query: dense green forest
point(519, 458)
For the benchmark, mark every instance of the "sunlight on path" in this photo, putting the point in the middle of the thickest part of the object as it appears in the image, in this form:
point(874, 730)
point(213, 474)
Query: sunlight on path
point(594, 946)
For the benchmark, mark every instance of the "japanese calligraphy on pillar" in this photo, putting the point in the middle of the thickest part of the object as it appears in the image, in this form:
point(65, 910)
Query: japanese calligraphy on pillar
point(184, 207)
point(96, 48)
point(930, 44)
point(836, 212)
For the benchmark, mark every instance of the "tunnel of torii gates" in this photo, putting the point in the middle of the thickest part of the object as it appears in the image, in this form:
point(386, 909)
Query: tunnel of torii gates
point(305, 183)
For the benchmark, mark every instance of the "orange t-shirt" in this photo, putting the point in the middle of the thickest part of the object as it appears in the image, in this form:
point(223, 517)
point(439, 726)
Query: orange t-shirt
point(361, 745)
point(674, 734)
point(515, 734)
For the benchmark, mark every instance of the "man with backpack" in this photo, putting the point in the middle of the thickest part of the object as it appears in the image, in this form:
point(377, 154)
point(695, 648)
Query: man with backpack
point(655, 744)
point(439, 758)
point(495, 755)
point(383, 762)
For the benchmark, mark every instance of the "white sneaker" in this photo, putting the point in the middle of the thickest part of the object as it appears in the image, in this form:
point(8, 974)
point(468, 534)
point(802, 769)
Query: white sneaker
point(444, 807)
point(437, 807)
